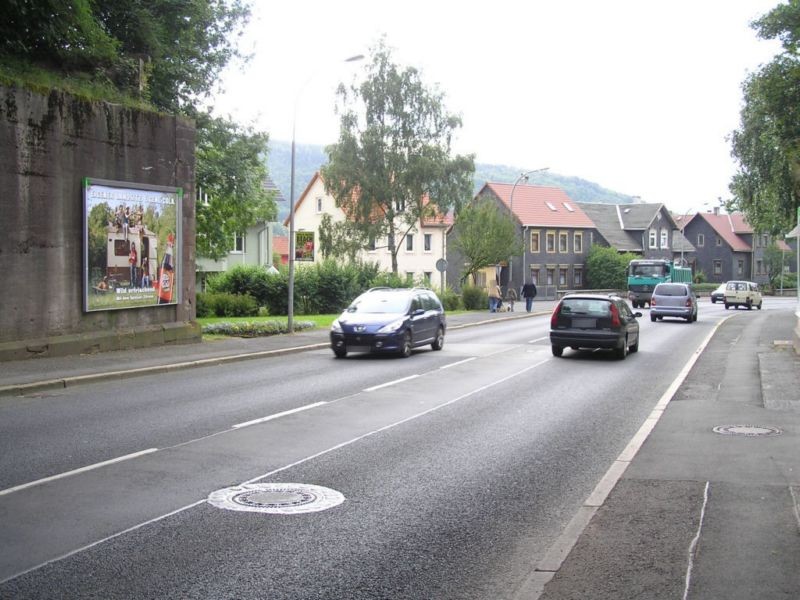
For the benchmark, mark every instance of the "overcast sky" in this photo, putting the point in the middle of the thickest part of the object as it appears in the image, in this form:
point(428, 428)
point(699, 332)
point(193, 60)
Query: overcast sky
point(636, 95)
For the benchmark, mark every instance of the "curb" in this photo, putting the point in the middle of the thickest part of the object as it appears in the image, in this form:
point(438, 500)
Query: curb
point(65, 382)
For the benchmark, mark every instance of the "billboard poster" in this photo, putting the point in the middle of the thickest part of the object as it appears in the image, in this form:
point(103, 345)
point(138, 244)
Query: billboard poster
point(304, 246)
point(131, 244)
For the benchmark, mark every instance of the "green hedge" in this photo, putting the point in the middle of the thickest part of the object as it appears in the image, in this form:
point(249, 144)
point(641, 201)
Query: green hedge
point(222, 304)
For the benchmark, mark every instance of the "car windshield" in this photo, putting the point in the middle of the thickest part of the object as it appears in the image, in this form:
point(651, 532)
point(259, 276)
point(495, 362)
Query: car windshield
point(671, 290)
point(378, 302)
point(585, 306)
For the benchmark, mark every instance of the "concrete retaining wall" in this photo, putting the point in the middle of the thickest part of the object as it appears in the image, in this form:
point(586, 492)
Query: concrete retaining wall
point(48, 144)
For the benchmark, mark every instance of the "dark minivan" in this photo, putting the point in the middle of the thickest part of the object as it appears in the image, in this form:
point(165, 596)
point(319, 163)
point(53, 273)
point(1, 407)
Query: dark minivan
point(594, 321)
point(390, 320)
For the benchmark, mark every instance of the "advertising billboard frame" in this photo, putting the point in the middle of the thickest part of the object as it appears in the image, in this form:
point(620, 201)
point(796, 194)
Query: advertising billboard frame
point(132, 240)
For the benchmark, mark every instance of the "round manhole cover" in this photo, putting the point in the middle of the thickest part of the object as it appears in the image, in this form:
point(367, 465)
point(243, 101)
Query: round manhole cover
point(276, 498)
point(746, 430)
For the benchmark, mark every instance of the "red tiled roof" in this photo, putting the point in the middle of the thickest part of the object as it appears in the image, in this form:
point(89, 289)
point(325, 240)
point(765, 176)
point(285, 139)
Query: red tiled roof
point(541, 206)
point(727, 227)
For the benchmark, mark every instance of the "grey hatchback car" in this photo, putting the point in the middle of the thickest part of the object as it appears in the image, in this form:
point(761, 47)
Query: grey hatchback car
point(594, 321)
point(673, 300)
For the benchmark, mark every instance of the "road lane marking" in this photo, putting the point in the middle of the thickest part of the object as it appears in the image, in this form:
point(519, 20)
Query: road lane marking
point(388, 383)
point(278, 415)
point(562, 546)
point(539, 339)
point(76, 471)
point(461, 362)
point(350, 442)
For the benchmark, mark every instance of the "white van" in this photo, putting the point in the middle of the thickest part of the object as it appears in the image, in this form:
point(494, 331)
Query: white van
point(742, 293)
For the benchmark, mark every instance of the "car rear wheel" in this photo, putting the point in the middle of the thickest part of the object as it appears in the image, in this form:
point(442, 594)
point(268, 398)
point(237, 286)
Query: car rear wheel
point(557, 350)
point(727, 306)
point(652, 317)
point(438, 342)
point(635, 347)
point(622, 352)
point(405, 348)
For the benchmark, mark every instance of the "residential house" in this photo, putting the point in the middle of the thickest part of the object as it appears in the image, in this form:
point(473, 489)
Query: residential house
point(728, 248)
point(557, 235)
point(420, 248)
point(648, 230)
point(251, 247)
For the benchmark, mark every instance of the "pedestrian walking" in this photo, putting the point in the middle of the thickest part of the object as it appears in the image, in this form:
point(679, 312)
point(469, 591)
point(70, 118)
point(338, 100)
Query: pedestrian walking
point(529, 293)
point(511, 297)
point(494, 297)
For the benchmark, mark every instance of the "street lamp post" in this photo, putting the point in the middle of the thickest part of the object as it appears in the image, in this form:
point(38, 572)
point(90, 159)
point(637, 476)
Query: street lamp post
point(522, 177)
point(290, 314)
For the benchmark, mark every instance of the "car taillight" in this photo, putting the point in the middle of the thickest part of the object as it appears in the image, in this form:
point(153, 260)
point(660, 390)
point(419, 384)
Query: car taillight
point(615, 322)
point(688, 302)
point(652, 302)
point(554, 316)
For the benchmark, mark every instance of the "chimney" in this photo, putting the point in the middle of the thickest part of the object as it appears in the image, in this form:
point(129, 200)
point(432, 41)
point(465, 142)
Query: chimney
point(716, 210)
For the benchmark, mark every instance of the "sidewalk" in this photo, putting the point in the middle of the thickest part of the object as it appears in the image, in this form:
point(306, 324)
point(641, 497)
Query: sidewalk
point(709, 506)
point(47, 373)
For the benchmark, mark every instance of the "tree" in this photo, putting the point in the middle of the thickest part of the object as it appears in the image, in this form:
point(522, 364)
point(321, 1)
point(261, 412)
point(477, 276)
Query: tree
point(767, 144)
point(484, 236)
point(773, 263)
point(340, 239)
point(230, 174)
point(391, 167)
point(607, 269)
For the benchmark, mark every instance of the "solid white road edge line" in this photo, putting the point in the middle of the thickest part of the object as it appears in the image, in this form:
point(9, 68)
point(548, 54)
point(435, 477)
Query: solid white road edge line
point(278, 415)
point(276, 471)
point(76, 471)
point(560, 549)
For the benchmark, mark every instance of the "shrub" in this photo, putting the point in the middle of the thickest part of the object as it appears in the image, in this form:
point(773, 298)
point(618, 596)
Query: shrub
point(255, 329)
point(221, 304)
point(606, 269)
point(474, 298)
point(450, 300)
point(700, 277)
point(251, 280)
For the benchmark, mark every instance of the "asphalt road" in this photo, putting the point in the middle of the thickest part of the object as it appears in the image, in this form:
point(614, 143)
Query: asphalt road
point(458, 468)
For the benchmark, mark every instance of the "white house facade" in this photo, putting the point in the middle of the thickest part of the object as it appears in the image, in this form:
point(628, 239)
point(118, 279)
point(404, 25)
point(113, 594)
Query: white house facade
point(420, 248)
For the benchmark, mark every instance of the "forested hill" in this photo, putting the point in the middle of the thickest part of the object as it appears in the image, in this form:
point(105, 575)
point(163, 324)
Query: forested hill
point(308, 160)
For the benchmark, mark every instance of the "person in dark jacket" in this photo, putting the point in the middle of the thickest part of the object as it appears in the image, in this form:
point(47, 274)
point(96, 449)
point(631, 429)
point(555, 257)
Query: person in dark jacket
point(529, 293)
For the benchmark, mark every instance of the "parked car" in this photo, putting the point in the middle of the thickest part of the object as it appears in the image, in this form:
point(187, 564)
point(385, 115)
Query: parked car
point(390, 320)
point(673, 300)
point(594, 321)
point(718, 295)
point(742, 293)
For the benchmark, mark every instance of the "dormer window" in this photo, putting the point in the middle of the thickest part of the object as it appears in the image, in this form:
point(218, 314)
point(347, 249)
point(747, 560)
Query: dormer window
point(551, 207)
point(568, 207)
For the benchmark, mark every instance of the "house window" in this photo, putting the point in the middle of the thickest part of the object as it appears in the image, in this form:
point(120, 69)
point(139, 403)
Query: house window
point(371, 245)
point(551, 242)
point(717, 267)
point(719, 241)
point(535, 242)
point(427, 242)
point(758, 267)
point(410, 242)
point(701, 240)
point(577, 276)
point(427, 275)
point(238, 244)
point(765, 240)
point(562, 277)
point(319, 204)
point(409, 277)
point(664, 238)
point(563, 242)
point(653, 239)
point(535, 275)
point(551, 276)
point(740, 267)
point(577, 242)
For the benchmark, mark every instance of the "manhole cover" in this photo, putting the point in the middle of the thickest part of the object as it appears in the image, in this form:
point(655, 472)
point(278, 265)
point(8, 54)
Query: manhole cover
point(276, 498)
point(746, 430)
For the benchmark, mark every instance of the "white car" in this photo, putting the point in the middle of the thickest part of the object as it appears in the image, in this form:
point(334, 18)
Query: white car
point(718, 294)
point(742, 293)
